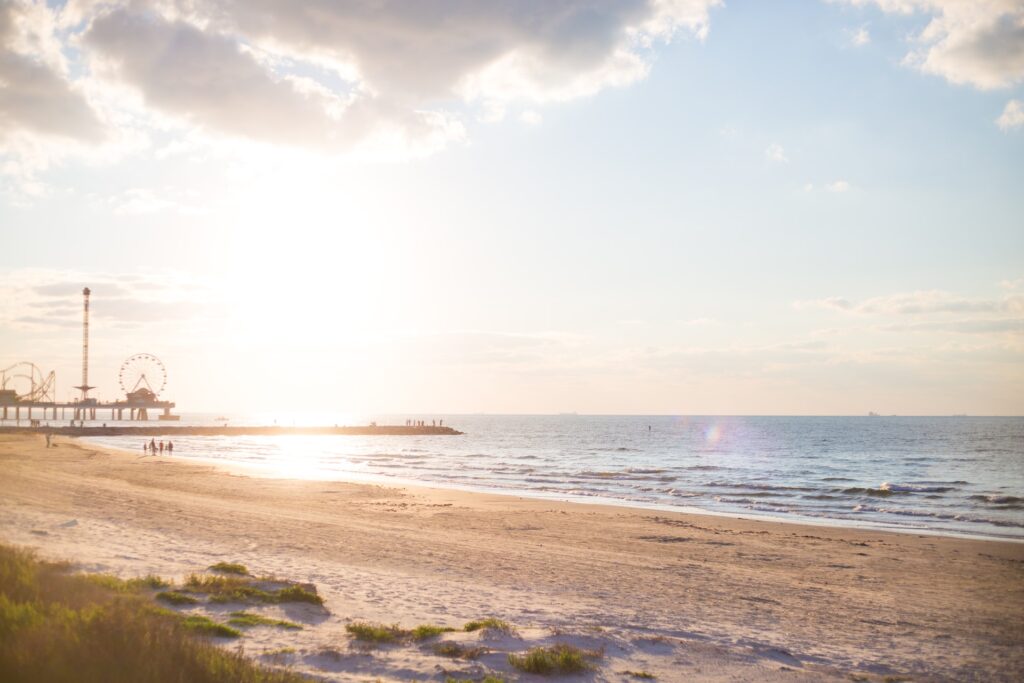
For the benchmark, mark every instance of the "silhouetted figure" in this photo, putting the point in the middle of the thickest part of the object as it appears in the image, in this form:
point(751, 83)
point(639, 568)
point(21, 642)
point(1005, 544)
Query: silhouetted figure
point(170, 448)
point(49, 436)
point(152, 446)
point(145, 448)
point(161, 448)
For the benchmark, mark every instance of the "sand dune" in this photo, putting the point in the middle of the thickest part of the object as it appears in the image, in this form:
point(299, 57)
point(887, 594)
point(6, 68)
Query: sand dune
point(684, 597)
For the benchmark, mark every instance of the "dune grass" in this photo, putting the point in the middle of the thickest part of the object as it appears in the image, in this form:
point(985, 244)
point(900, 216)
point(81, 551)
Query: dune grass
point(489, 624)
point(425, 631)
point(230, 568)
point(646, 675)
point(455, 650)
point(250, 619)
point(557, 659)
point(56, 626)
point(226, 589)
point(118, 585)
point(380, 634)
point(176, 598)
point(208, 627)
point(296, 593)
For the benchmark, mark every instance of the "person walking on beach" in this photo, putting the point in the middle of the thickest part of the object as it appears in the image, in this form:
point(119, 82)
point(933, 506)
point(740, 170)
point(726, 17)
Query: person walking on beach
point(161, 448)
point(170, 448)
point(145, 448)
point(152, 446)
point(48, 437)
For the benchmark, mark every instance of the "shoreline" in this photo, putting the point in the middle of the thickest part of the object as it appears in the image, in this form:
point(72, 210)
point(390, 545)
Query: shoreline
point(225, 430)
point(685, 596)
point(266, 472)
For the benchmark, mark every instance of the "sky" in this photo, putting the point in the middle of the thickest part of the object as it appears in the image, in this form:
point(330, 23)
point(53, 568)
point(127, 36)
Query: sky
point(593, 206)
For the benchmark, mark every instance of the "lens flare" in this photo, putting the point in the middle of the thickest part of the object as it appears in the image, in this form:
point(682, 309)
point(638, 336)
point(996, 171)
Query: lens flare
point(713, 434)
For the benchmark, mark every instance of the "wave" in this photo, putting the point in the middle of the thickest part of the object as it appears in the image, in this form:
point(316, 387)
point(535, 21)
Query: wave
point(998, 499)
point(759, 487)
point(912, 488)
point(949, 516)
point(887, 489)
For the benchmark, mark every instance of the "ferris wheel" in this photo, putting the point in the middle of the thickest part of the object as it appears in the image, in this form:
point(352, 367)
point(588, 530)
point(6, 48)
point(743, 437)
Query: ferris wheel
point(142, 372)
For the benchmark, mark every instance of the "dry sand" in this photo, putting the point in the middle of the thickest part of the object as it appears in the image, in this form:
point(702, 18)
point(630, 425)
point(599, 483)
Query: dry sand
point(684, 597)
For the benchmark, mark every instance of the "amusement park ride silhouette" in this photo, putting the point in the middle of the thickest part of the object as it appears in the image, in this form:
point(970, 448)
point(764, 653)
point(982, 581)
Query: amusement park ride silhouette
point(142, 377)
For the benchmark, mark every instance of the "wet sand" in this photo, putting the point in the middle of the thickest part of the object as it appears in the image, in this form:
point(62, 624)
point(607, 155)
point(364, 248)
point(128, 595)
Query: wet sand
point(684, 597)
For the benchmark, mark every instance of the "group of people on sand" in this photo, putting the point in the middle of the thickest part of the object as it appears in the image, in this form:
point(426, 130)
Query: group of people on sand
point(423, 423)
point(154, 448)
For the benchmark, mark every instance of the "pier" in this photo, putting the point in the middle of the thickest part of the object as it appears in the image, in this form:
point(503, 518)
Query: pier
point(181, 430)
point(13, 408)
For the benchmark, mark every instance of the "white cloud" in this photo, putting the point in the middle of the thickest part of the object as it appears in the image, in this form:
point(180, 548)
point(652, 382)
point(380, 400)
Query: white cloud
point(43, 114)
point(776, 154)
point(531, 117)
point(922, 302)
point(860, 37)
point(1012, 116)
point(235, 67)
point(976, 42)
point(838, 186)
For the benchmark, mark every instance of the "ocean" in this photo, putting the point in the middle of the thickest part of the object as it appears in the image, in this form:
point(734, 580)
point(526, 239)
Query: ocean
point(945, 475)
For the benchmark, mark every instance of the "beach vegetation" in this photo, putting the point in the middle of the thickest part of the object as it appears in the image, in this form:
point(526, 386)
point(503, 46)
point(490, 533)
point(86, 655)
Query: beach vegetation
point(425, 631)
point(205, 626)
point(226, 589)
point(230, 568)
point(59, 626)
point(455, 650)
point(296, 593)
point(119, 585)
point(489, 624)
point(646, 675)
point(368, 632)
point(250, 619)
point(556, 659)
point(176, 598)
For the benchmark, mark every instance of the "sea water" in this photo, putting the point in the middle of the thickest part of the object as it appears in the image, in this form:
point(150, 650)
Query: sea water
point(947, 475)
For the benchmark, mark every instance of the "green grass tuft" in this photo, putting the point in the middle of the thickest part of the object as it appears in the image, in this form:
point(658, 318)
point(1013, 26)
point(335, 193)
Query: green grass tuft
point(227, 589)
point(296, 593)
point(457, 650)
point(639, 674)
point(424, 631)
point(176, 598)
point(376, 633)
point(119, 585)
point(250, 619)
point(230, 568)
point(557, 659)
point(205, 626)
point(57, 626)
point(489, 624)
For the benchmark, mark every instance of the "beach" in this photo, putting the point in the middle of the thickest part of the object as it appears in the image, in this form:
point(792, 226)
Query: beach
point(681, 596)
